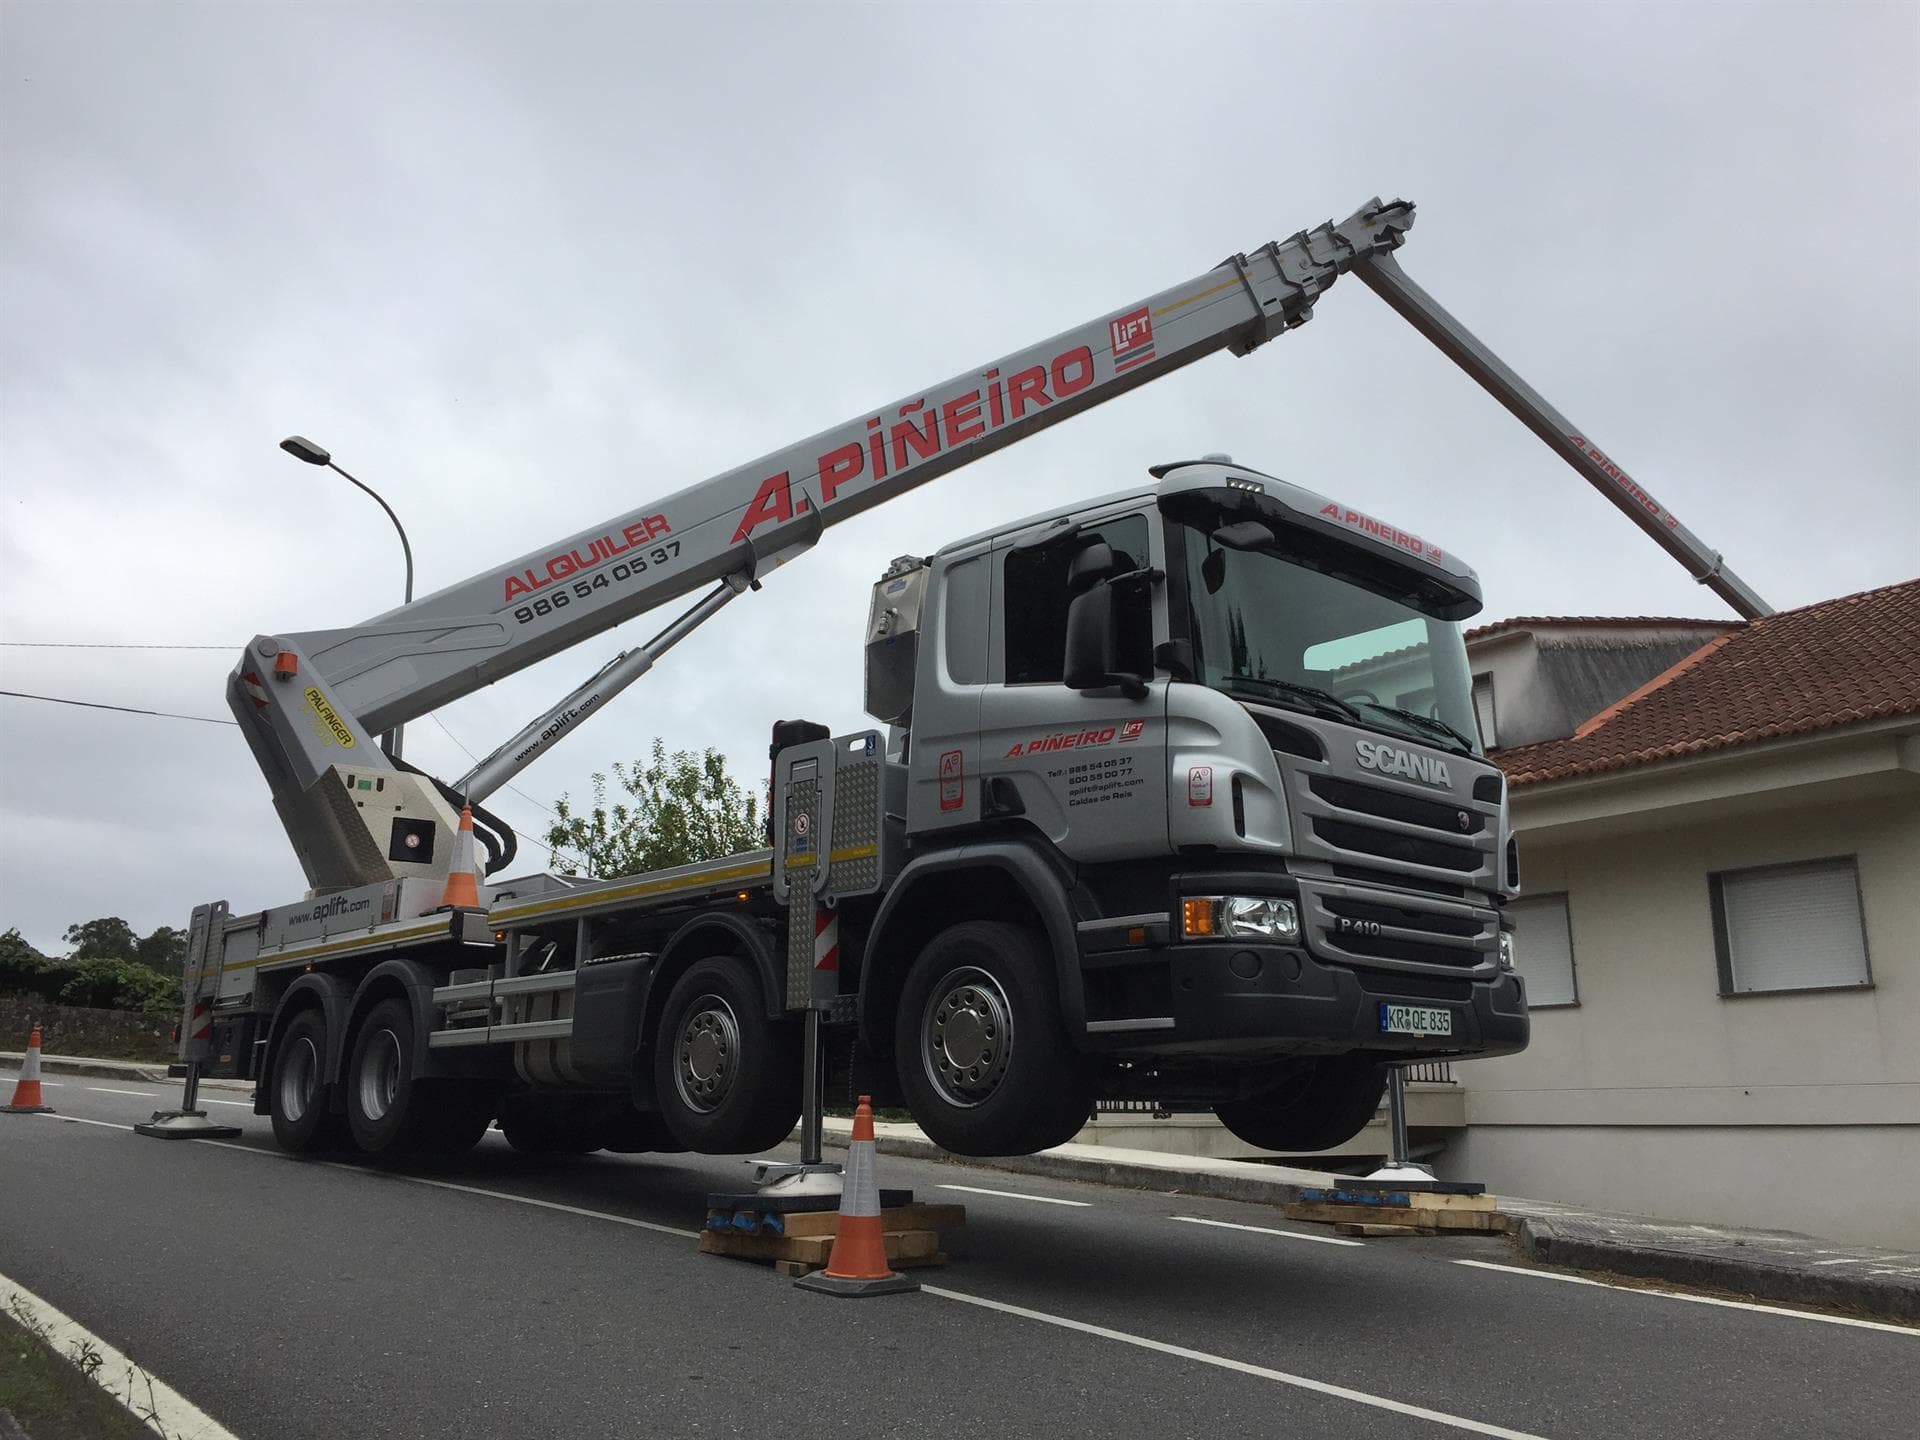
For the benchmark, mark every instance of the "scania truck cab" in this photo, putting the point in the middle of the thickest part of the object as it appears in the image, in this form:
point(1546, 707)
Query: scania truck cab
point(1277, 851)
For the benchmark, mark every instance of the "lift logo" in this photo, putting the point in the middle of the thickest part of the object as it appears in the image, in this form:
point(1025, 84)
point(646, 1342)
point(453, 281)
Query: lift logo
point(1132, 336)
point(336, 729)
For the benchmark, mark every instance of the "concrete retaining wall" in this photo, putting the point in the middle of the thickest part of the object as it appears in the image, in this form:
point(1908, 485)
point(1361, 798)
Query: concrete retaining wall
point(75, 1030)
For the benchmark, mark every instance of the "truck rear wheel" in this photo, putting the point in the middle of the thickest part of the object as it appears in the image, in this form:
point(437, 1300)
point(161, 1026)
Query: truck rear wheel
point(983, 1057)
point(726, 1076)
point(298, 1099)
point(1323, 1104)
point(390, 1110)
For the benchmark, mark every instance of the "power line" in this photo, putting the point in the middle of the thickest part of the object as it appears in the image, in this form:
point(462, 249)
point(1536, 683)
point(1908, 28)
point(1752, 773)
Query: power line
point(89, 645)
point(123, 709)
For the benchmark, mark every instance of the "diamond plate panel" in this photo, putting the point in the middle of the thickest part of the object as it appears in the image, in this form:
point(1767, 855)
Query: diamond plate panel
point(803, 800)
point(856, 827)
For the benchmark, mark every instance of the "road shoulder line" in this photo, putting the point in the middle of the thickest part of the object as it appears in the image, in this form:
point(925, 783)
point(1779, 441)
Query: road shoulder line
point(133, 1386)
point(1299, 1382)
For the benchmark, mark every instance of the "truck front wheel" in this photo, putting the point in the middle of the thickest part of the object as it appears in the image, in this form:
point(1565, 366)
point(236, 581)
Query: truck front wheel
point(1322, 1104)
point(984, 1059)
point(726, 1076)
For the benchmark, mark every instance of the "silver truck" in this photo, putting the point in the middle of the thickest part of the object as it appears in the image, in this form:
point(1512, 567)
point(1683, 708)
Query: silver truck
point(1172, 795)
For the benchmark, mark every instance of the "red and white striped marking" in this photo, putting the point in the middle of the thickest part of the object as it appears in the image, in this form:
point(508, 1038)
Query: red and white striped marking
point(256, 692)
point(826, 940)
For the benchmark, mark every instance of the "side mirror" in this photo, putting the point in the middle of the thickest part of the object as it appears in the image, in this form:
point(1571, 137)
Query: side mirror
point(1092, 563)
point(1092, 617)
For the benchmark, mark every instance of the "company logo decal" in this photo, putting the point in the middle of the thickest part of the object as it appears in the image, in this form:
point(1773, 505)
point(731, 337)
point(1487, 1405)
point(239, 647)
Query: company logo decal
point(1392, 760)
point(336, 727)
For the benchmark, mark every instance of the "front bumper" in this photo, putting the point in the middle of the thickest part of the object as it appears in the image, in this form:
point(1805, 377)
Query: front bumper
point(1229, 998)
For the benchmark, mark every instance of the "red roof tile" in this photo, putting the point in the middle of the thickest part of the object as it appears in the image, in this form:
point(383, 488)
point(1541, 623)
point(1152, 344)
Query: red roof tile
point(1568, 622)
point(1840, 662)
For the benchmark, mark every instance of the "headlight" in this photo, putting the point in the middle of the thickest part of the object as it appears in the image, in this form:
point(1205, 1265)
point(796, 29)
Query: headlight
point(1506, 949)
point(1239, 917)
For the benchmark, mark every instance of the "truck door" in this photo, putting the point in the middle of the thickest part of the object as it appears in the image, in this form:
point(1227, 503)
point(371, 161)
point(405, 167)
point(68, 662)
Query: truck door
point(1087, 769)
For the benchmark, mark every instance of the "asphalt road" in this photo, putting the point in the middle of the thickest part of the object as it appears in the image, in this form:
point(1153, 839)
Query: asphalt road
point(502, 1296)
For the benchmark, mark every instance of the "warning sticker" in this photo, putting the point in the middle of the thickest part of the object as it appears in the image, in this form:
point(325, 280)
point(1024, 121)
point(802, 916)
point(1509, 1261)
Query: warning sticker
point(953, 780)
point(1200, 785)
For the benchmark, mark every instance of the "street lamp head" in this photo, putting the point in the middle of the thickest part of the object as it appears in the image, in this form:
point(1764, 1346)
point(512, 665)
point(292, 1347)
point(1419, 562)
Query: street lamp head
point(302, 448)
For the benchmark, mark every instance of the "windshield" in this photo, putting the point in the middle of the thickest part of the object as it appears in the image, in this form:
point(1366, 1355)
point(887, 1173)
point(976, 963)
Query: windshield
point(1265, 628)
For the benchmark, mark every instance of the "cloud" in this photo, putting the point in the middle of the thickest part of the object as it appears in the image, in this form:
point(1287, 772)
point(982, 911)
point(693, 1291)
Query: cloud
point(523, 267)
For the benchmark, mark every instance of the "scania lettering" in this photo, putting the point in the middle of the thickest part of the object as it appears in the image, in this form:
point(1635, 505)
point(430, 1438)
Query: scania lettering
point(1170, 794)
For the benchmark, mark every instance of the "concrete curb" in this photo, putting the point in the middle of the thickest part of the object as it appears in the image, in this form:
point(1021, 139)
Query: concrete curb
point(1562, 1243)
point(151, 1074)
point(98, 1069)
point(1252, 1189)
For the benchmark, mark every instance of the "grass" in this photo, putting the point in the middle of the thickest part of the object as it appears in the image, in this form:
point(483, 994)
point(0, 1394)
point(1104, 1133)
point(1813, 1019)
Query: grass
point(50, 1395)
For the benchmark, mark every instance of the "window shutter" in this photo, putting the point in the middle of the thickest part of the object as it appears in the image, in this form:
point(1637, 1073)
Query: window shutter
point(1543, 949)
point(1483, 709)
point(1795, 927)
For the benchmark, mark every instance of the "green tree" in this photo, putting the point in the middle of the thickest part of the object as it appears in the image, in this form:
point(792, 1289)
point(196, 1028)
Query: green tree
point(679, 808)
point(119, 985)
point(164, 950)
point(20, 964)
point(109, 938)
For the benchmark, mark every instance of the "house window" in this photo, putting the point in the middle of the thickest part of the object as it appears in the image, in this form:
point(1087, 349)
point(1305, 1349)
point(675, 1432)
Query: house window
point(1543, 950)
point(1789, 927)
point(1483, 709)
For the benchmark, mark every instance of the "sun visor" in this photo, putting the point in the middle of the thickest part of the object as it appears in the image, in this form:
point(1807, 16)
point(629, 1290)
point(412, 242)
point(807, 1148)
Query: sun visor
point(1328, 536)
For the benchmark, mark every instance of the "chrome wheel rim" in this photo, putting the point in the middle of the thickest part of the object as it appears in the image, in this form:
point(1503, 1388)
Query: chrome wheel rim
point(707, 1055)
point(966, 1037)
point(380, 1076)
point(299, 1078)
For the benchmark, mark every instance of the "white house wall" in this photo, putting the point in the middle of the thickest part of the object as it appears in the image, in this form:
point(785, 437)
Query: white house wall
point(1656, 1094)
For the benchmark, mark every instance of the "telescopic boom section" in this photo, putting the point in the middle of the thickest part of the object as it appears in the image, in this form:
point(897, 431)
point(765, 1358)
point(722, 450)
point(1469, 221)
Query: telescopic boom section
point(1386, 279)
point(408, 661)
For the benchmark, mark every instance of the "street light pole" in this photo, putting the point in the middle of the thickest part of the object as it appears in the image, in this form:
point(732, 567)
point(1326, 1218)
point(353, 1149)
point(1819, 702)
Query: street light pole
point(302, 448)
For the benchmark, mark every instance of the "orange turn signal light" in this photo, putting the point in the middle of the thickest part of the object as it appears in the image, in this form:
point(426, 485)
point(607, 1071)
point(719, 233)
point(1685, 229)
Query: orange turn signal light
point(1198, 916)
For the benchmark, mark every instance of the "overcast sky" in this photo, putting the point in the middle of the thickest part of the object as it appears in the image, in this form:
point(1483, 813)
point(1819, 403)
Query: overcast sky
point(522, 267)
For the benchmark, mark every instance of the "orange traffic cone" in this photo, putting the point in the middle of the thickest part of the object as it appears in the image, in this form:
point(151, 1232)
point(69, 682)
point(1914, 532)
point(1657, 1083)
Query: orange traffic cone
point(26, 1090)
point(463, 886)
point(858, 1264)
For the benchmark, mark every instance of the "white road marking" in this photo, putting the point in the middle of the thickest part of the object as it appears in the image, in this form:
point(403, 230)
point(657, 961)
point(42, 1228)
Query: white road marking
point(243, 1104)
point(465, 1190)
point(137, 1094)
point(1300, 1382)
point(83, 1120)
point(1265, 1230)
point(133, 1386)
point(1016, 1195)
point(1697, 1299)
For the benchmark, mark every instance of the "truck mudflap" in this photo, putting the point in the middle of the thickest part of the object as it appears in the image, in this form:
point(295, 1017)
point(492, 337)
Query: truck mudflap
point(1280, 999)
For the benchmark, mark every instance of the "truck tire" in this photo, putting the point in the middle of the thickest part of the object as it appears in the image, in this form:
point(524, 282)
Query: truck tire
point(1325, 1103)
point(638, 1132)
point(548, 1127)
point(390, 1111)
point(727, 1077)
point(299, 1100)
point(983, 1057)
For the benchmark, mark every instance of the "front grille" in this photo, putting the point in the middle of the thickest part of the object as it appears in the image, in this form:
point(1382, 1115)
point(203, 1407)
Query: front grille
point(1392, 805)
point(1401, 882)
point(1369, 926)
point(1389, 845)
point(1385, 913)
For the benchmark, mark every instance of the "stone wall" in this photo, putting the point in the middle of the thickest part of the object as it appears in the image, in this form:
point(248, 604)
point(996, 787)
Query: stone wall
point(75, 1030)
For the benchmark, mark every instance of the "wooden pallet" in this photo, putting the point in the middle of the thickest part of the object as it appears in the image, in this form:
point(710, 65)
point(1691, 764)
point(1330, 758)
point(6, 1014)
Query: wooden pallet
point(912, 1234)
point(1418, 1215)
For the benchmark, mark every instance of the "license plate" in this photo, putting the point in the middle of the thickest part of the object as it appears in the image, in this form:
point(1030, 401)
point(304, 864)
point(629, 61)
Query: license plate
point(1414, 1020)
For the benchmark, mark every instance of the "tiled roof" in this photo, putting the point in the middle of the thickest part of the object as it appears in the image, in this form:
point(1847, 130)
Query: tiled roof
point(1614, 622)
point(1840, 662)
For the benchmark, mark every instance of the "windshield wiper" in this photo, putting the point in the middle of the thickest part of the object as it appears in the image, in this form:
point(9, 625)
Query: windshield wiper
point(1429, 723)
point(1325, 699)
